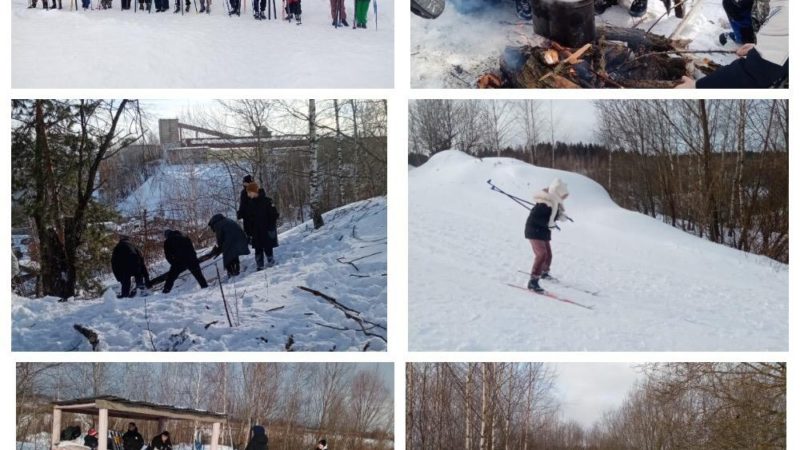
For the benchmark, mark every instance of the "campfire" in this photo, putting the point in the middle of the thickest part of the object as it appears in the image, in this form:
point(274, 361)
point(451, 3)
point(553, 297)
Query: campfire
point(616, 58)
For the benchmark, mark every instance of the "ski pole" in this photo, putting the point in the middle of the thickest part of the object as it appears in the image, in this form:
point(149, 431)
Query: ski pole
point(524, 203)
point(375, 8)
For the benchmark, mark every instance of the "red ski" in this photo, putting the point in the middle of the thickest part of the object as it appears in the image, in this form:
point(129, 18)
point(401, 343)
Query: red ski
point(551, 295)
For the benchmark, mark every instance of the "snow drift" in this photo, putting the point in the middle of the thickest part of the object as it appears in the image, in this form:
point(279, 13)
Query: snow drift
point(268, 310)
point(658, 288)
point(123, 49)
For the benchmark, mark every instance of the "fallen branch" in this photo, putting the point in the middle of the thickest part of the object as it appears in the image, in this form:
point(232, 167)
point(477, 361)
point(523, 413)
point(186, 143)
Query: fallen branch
point(332, 327)
point(350, 313)
point(276, 309)
point(224, 302)
point(289, 343)
point(341, 259)
point(89, 334)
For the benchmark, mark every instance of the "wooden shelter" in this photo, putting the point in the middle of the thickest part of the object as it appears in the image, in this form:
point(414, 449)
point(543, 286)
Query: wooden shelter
point(109, 406)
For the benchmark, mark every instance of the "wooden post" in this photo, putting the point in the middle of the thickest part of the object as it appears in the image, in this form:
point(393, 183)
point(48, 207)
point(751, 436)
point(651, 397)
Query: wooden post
point(162, 423)
point(215, 436)
point(102, 430)
point(56, 436)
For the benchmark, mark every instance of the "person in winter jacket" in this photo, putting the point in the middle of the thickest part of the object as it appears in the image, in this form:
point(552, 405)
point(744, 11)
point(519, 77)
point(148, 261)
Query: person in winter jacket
point(132, 440)
point(91, 439)
point(180, 254)
point(547, 209)
point(231, 242)
point(293, 10)
point(322, 445)
point(262, 216)
point(161, 442)
point(258, 439)
point(761, 65)
point(244, 202)
point(127, 262)
point(338, 13)
point(362, 11)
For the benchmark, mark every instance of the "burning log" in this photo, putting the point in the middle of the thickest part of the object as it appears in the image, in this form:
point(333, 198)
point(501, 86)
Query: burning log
point(620, 57)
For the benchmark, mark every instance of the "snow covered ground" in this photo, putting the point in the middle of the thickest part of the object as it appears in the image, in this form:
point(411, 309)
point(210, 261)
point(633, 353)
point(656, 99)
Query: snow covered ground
point(454, 49)
point(266, 307)
point(123, 49)
point(658, 288)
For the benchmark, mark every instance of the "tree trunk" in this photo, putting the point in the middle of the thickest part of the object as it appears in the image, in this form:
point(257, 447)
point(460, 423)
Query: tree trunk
point(315, 181)
point(467, 408)
point(339, 158)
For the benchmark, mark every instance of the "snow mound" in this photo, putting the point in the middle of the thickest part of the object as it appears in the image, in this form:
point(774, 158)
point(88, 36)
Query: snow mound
point(267, 309)
point(656, 288)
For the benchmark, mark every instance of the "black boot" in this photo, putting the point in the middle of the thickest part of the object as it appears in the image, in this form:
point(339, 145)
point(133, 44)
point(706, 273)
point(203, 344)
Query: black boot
point(546, 276)
point(600, 6)
point(524, 9)
point(533, 285)
point(177, 8)
point(638, 8)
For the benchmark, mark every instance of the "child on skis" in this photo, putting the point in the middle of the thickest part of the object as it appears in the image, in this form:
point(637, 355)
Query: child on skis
point(547, 209)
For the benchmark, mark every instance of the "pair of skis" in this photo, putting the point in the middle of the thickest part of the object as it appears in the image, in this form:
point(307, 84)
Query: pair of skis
point(556, 296)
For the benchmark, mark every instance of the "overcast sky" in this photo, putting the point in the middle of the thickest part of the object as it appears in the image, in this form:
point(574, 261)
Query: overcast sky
point(587, 390)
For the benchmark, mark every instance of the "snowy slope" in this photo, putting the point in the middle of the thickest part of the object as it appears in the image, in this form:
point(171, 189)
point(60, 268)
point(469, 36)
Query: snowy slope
point(123, 49)
point(660, 289)
point(452, 50)
point(267, 305)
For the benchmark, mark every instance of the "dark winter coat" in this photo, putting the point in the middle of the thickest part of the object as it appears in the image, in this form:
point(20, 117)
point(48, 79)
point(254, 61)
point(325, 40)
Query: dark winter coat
point(262, 217)
point(231, 240)
point(750, 72)
point(132, 440)
point(126, 260)
point(259, 439)
point(538, 224)
point(243, 213)
point(158, 444)
point(179, 250)
point(90, 441)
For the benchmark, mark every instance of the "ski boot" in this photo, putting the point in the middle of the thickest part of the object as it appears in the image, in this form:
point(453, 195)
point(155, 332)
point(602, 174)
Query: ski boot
point(638, 8)
point(523, 9)
point(600, 6)
point(259, 268)
point(202, 9)
point(344, 23)
point(177, 8)
point(533, 285)
point(256, 15)
point(546, 276)
point(263, 17)
point(297, 19)
point(289, 18)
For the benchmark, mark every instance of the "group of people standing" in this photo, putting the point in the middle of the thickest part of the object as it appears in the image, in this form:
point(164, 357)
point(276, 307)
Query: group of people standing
point(259, 218)
point(131, 440)
point(292, 9)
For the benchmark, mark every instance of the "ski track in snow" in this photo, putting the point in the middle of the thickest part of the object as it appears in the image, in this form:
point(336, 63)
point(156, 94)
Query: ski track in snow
point(305, 258)
point(660, 289)
point(123, 49)
point(474, 42)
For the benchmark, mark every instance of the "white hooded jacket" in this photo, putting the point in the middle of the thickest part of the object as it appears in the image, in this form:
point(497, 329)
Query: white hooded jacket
point(772, 40)
point(553, 197)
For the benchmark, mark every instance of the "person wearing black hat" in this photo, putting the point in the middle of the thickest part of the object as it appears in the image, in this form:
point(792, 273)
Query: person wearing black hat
point(258, 439)
point(244, 203)
point(180, 254)
point(132, 440)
